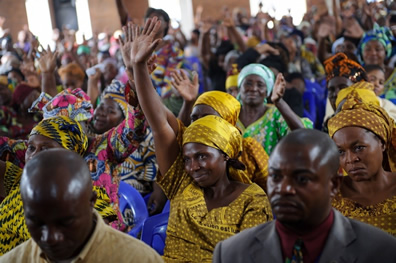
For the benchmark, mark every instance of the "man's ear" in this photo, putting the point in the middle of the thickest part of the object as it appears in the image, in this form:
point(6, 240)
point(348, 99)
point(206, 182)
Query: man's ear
point(335, 184)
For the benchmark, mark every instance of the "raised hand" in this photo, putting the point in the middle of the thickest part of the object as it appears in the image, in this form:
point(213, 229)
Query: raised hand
point(47, 60)
point(267, 49)
point(279, 88)
point(139, 45)
point(187, 89)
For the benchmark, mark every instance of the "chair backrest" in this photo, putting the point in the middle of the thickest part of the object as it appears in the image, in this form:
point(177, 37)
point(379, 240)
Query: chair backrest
point(154, 231)
point(132, 202)
point(166, 208)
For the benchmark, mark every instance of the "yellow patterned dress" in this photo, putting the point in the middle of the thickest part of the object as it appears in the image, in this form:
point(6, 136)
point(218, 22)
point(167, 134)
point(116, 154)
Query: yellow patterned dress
point(193, 231)
point(381, 215)
point(13, 230)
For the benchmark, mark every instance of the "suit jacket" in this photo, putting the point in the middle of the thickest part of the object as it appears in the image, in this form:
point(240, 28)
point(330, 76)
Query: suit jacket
point(348, 241)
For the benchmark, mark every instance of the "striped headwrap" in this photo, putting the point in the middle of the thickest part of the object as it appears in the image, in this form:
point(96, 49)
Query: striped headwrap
point(116, 91)
point(260, 70)
point(356, 112)
point(65, 131)
point(215, 132)
point(340, 65)
point(223, 103)
point(74, 104)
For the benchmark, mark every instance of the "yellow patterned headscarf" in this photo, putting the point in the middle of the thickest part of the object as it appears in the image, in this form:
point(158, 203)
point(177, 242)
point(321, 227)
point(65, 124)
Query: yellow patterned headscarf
point(65, 131)
point(223, 103)
point(217, 133)
point(356, 112)
point(363, 90)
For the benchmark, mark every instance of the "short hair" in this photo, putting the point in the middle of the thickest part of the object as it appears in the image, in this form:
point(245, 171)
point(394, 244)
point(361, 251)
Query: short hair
point(372, 67)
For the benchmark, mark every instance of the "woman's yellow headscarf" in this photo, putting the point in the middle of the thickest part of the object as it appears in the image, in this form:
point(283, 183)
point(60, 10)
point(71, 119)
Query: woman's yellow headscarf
point(359, 112)
point(215, 132)
point(65, 131)
point(223, 103)
point(361, 90)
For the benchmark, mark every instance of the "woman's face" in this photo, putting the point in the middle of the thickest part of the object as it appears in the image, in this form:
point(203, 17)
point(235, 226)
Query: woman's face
point(374, 53)
point(38, 143)
point(206, 165)
point(71, 82)
point(377, 78)
point(361, 152)
point(253, 90)
point(107, 115)
point(334, 86)
point(202, 110)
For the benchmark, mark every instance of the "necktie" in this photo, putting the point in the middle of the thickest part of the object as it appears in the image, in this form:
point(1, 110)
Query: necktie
point(297, 255)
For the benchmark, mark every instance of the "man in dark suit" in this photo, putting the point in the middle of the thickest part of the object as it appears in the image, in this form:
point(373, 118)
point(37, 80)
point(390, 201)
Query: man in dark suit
point(302, 179)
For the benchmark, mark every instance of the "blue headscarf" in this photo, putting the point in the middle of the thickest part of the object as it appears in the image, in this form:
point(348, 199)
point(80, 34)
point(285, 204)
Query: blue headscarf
point(382, 34)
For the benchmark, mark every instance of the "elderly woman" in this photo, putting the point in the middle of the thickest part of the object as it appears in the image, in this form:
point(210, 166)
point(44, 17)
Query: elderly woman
point(54, 132)
point(364, 134)
point(198, 168)
point(265, 123)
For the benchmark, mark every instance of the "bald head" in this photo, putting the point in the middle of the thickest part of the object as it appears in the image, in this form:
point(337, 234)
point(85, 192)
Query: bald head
point(56, 173)
point(58, 202)
point(319, 145)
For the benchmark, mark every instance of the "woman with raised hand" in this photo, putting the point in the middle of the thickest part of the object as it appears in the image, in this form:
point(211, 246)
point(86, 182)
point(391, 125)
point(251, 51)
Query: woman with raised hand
point(197, 167)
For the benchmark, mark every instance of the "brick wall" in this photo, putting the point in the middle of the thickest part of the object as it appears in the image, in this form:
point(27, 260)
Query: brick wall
point(212, 8)
point(15, 13)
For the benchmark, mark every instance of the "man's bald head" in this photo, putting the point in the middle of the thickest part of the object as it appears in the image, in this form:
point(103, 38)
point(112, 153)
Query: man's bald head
point(58, 203)
point(320, 144)
point(56, 173)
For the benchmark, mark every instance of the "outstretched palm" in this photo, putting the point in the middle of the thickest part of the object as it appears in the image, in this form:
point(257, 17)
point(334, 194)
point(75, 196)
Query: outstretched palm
point(279, 88)
point(47, 60)
point(139, 44)
point(187, 89)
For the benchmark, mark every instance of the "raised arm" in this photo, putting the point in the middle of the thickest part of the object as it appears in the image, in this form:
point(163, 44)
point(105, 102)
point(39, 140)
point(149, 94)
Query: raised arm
point(47, 64)
point(188, 90)
point(234, 34)
point(293, 121)
point(143, 43)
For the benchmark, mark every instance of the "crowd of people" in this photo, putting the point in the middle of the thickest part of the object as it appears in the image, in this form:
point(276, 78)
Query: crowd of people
point(284, 133)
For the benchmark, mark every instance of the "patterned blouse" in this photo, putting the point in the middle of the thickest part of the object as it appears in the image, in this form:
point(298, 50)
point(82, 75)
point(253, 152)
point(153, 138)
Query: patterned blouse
point(381, 215)
point(269, 129)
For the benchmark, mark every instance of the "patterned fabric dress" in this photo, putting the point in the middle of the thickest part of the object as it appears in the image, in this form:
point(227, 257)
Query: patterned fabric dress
point(381, 215)
point(269, 129)
point(193, 231)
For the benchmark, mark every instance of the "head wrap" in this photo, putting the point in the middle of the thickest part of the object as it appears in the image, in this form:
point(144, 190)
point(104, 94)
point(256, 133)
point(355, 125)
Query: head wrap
point(116, 91)
point(340, 65)
point(65, 131)
point(382, 34)
point(74, 104)
point(260, 70)
point(217, 133)
point(83, 50)
point(356, 112)
point(21, 92)
point(232, 79)
point(72, 69)
point(336, 44)
point(363, 90)
point(223, 103)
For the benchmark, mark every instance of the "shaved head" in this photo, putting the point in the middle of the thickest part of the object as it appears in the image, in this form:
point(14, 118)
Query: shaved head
point(322, 146)
point(40, 180)
point(58, 201)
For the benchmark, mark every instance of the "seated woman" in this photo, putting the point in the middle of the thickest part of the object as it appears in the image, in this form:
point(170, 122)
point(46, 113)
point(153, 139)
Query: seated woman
point(363, 133)
point(54, 132)
point(265, 123)
point(227, 107)
point(198, 167)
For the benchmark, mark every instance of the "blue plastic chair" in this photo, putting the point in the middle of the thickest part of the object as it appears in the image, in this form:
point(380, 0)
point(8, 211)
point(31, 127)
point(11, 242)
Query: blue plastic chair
point(166, 208)
point(154, 231)
point(132, 205)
